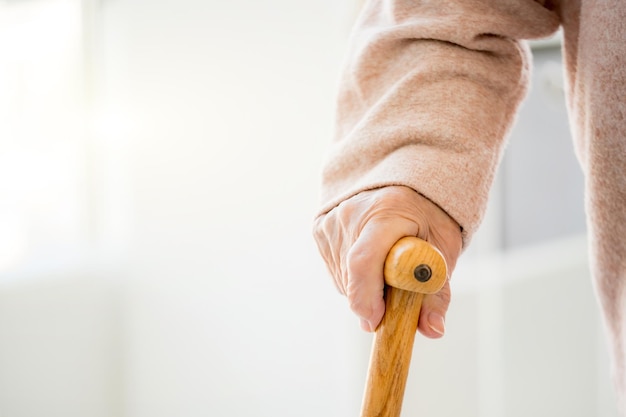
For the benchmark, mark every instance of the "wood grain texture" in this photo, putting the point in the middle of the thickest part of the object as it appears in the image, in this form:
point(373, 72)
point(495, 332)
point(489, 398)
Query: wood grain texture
point(393, 342)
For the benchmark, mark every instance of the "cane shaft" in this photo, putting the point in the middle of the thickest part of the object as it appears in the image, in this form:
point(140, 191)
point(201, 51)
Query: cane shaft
point(391, 354)
point(413, 268)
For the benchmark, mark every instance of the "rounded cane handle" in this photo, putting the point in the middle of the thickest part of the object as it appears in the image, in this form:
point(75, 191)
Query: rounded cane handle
point(415, 265)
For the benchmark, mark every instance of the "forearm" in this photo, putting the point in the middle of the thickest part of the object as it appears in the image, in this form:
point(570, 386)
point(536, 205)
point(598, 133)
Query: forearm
point(427, 96)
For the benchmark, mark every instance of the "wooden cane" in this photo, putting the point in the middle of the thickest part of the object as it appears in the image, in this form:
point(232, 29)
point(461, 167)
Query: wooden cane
point(413, 268)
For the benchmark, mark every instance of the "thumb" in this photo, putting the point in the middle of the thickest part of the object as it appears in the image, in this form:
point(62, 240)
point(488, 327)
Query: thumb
point(365, 262)
point(432, 316)
point(445, 236)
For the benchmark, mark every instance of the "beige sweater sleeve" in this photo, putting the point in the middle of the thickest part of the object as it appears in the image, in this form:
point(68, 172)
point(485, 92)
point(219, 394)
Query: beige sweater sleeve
point(428, 93)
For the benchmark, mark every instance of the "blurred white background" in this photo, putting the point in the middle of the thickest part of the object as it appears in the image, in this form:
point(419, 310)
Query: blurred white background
point(159, 169)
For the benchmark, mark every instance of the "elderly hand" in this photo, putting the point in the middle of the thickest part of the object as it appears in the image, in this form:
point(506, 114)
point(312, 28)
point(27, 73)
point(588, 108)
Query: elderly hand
point(355, 237)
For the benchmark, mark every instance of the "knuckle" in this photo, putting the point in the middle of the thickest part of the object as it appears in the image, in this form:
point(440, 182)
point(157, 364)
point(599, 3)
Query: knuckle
point(357, 261)
point(443, 297)
point(338, 281)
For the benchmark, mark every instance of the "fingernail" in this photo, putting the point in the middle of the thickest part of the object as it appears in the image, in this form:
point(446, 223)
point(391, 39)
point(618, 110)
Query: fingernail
point(366, 326)
point(437, 323)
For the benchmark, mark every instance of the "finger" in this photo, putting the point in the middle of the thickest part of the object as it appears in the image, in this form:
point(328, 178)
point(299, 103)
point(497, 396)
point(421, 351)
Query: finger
point(365, 262)
point(330, 256)
point(332, 266)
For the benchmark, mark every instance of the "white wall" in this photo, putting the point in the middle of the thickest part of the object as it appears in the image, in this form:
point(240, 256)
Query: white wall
point(523, 338)
point(228, 110)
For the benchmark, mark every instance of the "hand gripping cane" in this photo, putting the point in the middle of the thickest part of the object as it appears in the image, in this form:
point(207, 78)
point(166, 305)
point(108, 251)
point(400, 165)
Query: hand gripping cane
point(413, 268)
